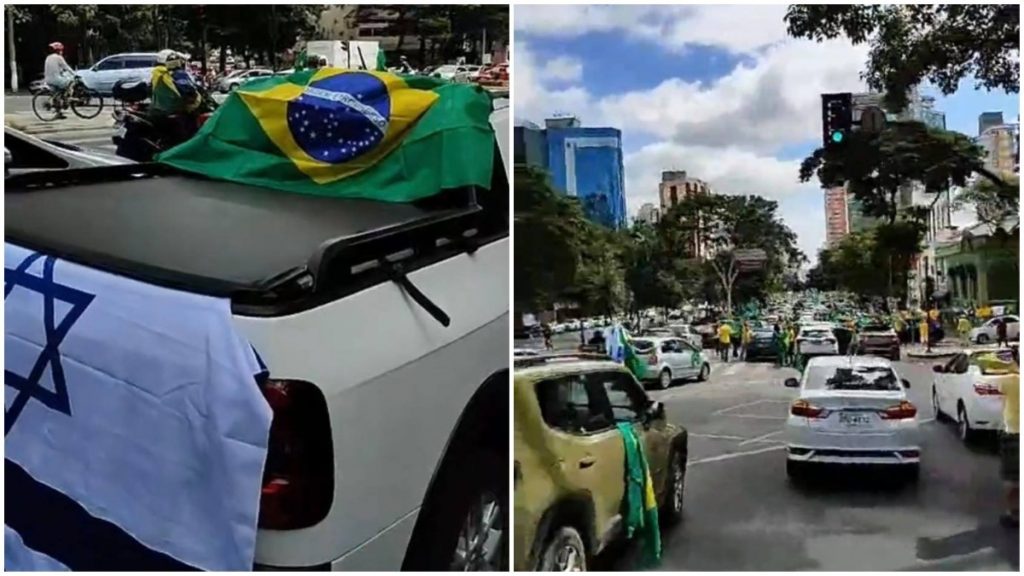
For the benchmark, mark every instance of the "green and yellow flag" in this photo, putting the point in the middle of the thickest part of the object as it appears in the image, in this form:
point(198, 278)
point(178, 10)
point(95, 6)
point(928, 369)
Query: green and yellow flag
point(346, 133)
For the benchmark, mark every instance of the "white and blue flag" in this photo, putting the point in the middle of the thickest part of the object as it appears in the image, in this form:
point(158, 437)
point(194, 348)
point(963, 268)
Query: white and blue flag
point(135, 431)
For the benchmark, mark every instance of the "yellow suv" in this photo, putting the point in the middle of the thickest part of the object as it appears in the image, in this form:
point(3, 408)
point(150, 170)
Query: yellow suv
point(570, 461)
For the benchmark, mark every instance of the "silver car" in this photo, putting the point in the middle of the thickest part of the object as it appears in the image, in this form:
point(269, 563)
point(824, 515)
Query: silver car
point(131, 66)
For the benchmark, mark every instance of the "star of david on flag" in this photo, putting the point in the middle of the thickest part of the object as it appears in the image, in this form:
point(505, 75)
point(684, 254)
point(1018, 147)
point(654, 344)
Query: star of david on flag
point(29, 386)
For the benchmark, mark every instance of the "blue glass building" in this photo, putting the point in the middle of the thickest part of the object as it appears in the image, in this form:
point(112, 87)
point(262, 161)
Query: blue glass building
point(583, 162)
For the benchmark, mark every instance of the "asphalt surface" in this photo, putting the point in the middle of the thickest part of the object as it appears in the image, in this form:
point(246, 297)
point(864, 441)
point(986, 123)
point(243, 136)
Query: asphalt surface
point(743, 514)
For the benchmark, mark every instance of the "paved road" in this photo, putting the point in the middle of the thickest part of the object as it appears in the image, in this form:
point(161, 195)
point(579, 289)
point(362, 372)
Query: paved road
point(17, 103)
point(743, 514)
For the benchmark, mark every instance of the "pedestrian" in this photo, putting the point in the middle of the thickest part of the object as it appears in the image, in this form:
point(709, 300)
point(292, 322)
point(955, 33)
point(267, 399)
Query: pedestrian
point(746, 339)
point(1009, 442)
point(1001, 333)
point(546, 331)
point(778, 344)
point(922, 332)
point(724, 339)
point(736, 337)
point(791, 344)
point(963, 329)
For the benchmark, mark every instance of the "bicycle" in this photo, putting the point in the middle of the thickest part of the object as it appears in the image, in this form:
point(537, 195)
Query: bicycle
point(85, 102)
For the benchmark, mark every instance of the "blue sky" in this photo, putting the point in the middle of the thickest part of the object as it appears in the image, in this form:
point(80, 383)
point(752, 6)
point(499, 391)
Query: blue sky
point(718, 91)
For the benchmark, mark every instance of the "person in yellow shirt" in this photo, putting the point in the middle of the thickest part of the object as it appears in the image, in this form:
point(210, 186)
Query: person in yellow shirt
point(1009, 442)
point(963, 329)
point(922, 332)
point(724, 339)
point(747, 336)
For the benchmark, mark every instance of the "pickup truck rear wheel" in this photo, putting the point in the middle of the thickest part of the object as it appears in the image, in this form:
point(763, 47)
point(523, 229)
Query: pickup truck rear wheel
point(470, 519)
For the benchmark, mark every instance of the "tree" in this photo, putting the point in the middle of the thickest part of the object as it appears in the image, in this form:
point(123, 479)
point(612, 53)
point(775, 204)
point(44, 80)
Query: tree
point(714, 227)
point(550, 234)
point(991, 203)
point(875, 167)
point(912, 43)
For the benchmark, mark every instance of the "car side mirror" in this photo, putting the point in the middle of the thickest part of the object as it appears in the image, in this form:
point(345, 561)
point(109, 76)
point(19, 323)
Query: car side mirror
point(906, 383)
point(791, 383)
point(938, 369)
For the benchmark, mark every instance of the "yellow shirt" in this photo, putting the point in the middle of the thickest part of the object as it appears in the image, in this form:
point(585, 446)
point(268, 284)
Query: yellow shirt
point(963, 326)
point(984, 312)
point(724, 333)
point(747, 335)
point(933, 314)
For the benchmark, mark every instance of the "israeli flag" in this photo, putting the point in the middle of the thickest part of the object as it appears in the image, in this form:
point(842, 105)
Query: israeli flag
point(135, 430)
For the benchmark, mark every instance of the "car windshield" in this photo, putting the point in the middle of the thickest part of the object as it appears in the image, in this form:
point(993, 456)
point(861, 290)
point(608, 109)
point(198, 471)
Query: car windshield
point(852, 378)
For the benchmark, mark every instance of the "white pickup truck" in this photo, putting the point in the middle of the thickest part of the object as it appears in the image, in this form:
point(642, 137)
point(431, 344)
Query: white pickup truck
point(387, 323)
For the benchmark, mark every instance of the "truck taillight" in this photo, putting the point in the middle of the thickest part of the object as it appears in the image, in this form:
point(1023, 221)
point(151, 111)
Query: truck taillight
point(298, 479)
point(806, 409)
point(986, 389)
point(902, 411)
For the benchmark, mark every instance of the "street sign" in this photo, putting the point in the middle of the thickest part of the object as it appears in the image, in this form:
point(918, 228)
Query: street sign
point(749, 259)
point(872, 120)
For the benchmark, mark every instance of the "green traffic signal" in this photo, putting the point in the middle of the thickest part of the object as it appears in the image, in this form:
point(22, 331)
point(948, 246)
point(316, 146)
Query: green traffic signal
point(837, 136)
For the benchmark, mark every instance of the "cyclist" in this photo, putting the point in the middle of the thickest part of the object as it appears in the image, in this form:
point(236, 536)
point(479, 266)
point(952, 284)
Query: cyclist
point(56, 73)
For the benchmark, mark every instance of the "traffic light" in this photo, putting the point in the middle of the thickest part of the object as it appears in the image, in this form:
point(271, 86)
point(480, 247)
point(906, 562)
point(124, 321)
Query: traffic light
point(836, 118)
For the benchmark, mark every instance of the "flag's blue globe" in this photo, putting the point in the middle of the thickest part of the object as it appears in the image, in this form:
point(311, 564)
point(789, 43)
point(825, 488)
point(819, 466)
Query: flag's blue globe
point(341, 117)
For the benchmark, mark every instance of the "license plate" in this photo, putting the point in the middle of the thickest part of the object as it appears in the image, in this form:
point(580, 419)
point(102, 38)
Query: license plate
point(854, 420)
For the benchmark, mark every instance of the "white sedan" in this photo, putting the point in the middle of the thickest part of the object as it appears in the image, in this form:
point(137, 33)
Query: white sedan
point(851, 410)
point(987, 332)
point(969, 393)
point(816, 339)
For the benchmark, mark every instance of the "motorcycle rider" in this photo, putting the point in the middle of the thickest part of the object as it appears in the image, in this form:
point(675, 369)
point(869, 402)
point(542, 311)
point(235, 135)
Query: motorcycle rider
point(56, 72)
point(174, 95)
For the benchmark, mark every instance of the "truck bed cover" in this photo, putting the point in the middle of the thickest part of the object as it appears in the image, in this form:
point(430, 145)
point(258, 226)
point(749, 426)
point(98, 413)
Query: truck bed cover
point(165, 227)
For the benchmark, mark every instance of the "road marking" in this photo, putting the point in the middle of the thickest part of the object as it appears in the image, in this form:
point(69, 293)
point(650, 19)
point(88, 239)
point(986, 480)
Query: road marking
point(758, 416)
point(745, 404)
point(733, 455)
point(926, 420)
point(762, 438)
point(716, 436)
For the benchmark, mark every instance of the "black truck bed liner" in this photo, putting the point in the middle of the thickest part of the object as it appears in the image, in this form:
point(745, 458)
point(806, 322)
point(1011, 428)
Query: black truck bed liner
point(220, 238)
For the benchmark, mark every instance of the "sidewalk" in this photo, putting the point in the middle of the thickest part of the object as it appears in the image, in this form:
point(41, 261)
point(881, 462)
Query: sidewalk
point(28, 123)
point(944, 349)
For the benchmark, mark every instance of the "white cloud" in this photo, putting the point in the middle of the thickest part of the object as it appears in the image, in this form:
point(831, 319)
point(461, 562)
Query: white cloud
point(731, 27)
point(727, 132)
point(563, 69)
point(731, 170)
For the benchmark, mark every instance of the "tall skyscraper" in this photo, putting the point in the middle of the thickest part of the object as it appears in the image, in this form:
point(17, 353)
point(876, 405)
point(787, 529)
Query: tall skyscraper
point(1000, 144)
point(837, 223)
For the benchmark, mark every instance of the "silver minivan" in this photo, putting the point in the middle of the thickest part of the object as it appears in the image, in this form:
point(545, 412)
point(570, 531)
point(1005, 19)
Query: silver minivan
point(131, 66)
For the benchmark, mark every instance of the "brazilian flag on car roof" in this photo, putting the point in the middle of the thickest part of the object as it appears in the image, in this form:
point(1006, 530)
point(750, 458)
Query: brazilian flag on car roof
point(346, 133)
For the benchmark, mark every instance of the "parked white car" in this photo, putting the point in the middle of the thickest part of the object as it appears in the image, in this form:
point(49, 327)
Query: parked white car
point(239, 77)
point(969, 393)
point(816, 340)
point(670, 359)
point(851, 410)
point(687, 333)
point(987, 332)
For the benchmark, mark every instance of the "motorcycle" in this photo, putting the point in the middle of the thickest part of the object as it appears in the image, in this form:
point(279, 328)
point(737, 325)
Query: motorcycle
point(140, 136)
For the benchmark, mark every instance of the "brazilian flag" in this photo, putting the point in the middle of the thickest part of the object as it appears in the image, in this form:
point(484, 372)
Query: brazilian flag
point(346, 133)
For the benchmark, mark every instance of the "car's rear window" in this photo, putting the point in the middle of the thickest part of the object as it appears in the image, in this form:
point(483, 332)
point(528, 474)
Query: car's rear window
point(852, 378)
point(642, 345)
point(816, 333)
point(875, 328)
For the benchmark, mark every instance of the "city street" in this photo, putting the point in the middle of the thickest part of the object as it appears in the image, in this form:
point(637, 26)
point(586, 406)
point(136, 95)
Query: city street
point(743, 514)
point(90, 134)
